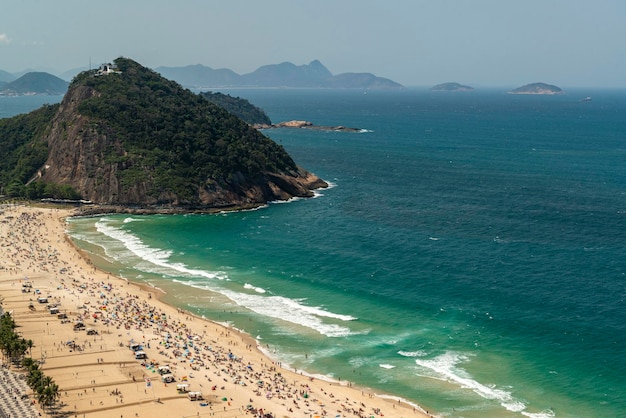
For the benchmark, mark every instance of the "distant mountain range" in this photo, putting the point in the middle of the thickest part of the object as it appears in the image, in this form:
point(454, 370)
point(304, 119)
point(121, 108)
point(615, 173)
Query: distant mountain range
point(33, 83)
point(286, 74)
point(6, 77)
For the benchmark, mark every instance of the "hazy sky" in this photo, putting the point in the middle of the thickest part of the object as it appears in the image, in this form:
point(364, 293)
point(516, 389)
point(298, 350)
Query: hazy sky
point(414, 42)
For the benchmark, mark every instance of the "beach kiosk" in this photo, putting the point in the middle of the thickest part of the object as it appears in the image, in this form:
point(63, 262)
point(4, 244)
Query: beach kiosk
point(167, 378)
point(140, 355)
point(182, 388)
point(195, 396)
point(164, 370)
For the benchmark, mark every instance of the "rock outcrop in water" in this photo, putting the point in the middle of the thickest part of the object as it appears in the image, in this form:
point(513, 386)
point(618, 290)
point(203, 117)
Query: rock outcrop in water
point(304, 124)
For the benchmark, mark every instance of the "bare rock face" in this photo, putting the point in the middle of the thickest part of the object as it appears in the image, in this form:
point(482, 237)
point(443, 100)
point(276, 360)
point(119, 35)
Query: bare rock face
point(76, 155)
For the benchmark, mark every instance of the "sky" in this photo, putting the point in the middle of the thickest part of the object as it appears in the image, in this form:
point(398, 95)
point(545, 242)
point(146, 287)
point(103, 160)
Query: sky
point(570, 43)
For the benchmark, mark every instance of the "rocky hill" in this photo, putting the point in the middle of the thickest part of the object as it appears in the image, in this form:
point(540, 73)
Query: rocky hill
point(286, 74)
point(132, 139)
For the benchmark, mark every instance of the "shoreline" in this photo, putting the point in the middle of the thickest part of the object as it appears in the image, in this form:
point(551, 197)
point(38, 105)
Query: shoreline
point(224, 363)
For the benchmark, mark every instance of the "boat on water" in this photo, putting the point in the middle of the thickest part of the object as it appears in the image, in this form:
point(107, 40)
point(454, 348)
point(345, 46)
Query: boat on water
point(586, 99)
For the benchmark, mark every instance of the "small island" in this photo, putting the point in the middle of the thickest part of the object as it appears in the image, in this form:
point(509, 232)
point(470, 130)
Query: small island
point(451, 87)
point(537, 88)
point(304, 124)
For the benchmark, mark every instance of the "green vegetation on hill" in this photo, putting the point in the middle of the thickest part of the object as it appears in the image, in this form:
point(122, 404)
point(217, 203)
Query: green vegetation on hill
point(239, 107)
point(23, 154)
point(127, 136)
point(173, 136)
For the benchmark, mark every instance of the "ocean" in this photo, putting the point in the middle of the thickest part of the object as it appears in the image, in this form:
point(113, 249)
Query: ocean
point(469, 256)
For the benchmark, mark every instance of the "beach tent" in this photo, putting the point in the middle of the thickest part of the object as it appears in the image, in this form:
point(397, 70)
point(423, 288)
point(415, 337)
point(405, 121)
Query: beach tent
point(182, 388)
point(164, 370)
point(140, 355)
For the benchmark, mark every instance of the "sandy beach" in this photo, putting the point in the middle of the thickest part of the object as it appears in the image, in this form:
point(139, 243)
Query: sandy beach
point(97, 366)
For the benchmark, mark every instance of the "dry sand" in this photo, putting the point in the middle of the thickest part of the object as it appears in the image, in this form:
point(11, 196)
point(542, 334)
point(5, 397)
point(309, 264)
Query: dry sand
point(98, 374)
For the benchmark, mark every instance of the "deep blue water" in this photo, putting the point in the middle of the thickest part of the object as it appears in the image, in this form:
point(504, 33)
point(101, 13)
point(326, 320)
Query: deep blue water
point(470, 256)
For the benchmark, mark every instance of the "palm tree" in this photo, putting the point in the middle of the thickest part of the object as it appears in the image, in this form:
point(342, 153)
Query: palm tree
point(34, 378)
point(28, 363)
point(43, 383)
point(48, 394)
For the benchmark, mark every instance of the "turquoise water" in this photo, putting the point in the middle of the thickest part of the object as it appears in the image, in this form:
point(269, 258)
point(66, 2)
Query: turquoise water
point(469, 256)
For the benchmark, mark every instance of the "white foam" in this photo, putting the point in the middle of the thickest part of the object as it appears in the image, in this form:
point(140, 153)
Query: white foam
point(418, 353)
point(256, 289)
point(128, 220)
point(278, 307)
point(227, 212)
point(548, 413)
point(387, 366)
point(331, 185)
point(444, 366)
point(291, 199)
point(153, 256)
point(291, 310)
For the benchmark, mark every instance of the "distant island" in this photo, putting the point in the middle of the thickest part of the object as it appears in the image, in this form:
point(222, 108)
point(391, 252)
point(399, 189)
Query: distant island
point(451, 87)
point(34, 83)
point(537, 88)
point(286, 74)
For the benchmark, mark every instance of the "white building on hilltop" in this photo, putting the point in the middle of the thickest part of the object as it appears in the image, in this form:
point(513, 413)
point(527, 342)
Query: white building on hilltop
point(106, 69)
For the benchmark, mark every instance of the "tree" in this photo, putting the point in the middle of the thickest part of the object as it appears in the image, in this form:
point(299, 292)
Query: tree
point(30, 344)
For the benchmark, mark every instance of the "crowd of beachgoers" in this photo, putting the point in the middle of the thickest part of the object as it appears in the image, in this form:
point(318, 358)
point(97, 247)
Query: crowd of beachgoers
point(114, 346)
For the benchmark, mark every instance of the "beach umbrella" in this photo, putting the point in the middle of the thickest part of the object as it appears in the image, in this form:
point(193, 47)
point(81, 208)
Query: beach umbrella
point(224, 398)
